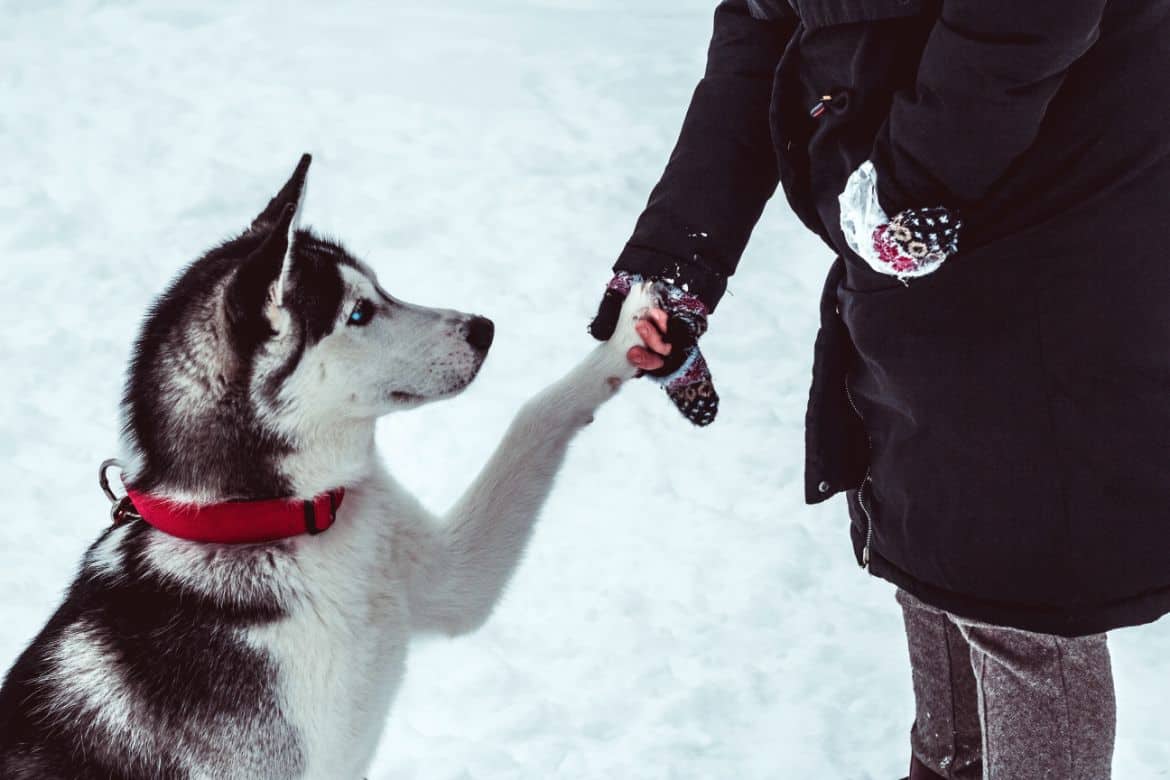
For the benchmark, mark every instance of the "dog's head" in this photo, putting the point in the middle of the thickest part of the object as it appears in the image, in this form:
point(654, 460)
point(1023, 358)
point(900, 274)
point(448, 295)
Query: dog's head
point(276, 343)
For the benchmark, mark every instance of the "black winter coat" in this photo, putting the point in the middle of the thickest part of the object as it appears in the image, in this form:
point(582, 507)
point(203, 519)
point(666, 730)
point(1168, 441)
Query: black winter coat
point(1002, 425)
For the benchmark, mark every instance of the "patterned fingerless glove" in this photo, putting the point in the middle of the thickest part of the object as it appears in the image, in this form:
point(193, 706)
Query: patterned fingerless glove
point(684, 375)
point(914, 243)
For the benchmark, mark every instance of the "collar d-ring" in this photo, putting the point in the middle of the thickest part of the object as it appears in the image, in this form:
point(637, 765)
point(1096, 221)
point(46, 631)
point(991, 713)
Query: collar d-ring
point(121, 508)
point(104, 480)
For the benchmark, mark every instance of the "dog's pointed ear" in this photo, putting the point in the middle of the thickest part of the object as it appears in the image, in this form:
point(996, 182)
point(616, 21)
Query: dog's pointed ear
point(263, 272)
point(282, 240)
point(267, 269)
point(292, 192)
point(280, 227)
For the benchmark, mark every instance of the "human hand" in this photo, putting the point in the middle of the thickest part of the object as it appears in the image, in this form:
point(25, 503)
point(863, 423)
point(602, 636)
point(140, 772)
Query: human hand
point(670, 351)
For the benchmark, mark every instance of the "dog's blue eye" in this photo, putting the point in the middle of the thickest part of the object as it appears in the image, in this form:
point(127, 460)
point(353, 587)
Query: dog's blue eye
point(363, 312)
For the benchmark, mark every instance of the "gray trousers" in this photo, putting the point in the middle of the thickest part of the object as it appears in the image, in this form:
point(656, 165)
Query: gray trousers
point(996, 703)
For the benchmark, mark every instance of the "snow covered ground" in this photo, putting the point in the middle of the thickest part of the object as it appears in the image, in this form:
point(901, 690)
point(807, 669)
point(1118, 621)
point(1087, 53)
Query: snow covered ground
point(681, 613)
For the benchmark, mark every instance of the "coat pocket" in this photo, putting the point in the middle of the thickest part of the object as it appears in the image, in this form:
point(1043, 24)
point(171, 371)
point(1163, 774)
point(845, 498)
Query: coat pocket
point(950, 380)
point(815, 14)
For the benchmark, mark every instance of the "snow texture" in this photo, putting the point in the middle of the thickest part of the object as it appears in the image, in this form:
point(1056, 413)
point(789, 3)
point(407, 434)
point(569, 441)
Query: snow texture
point(681, 613)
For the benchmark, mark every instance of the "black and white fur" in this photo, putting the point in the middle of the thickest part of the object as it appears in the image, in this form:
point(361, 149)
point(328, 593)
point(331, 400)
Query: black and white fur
point(178, 659)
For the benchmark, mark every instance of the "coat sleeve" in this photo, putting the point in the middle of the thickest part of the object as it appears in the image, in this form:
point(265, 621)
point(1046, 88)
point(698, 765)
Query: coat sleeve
point(723, 168)
point(987, 74)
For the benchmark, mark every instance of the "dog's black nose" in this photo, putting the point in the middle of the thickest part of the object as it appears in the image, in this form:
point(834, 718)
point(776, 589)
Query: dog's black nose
point(480, 332)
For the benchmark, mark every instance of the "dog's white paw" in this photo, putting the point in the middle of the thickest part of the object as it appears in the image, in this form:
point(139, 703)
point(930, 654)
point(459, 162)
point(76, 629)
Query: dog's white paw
point(643, 296)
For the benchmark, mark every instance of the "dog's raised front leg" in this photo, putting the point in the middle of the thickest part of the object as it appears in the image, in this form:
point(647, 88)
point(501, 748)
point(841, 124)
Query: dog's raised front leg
point(462, 573)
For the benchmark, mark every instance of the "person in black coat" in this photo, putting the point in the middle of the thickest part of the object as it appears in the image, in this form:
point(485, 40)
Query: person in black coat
point(991, 378)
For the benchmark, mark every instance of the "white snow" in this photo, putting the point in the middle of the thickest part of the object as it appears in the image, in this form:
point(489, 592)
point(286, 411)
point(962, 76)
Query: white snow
point(681, 613)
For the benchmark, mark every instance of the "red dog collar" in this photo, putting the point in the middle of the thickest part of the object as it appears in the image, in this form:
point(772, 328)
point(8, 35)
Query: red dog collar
point(237, 522)
point(230, 522)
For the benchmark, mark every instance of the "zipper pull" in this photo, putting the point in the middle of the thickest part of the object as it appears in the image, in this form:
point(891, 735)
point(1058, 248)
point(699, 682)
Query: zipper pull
point(840, 101)
point(868, 520)
point(820, 106)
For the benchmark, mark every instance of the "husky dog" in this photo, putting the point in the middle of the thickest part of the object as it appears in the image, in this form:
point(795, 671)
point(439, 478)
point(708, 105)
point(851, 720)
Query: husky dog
point(259, 374)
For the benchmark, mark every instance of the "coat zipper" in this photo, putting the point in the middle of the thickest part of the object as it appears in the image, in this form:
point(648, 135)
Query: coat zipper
point(868, 522)
point(861, 489)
